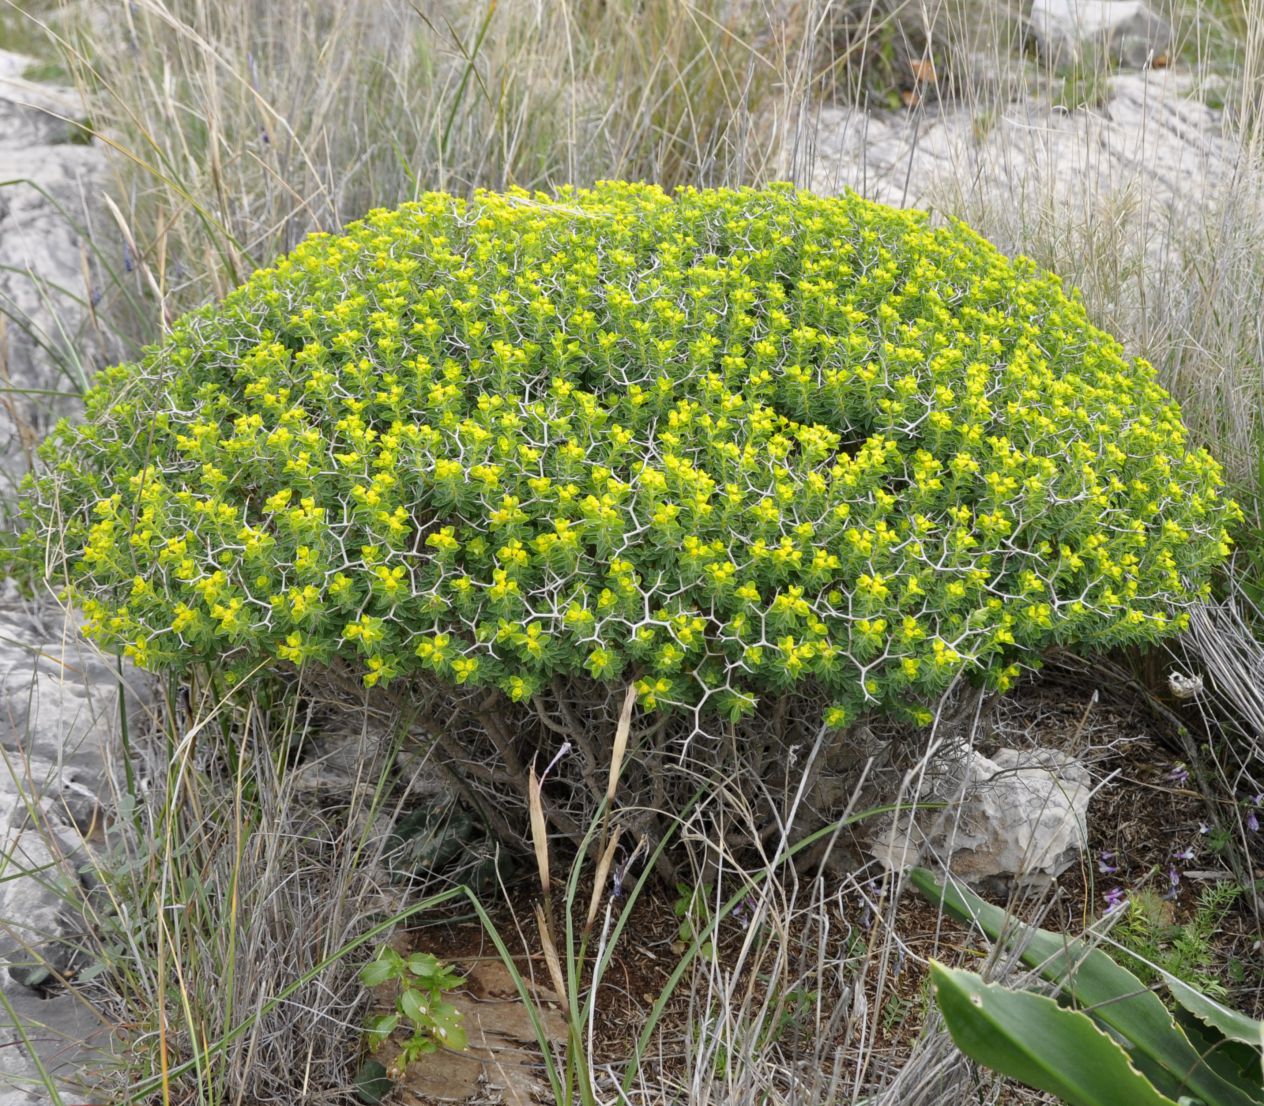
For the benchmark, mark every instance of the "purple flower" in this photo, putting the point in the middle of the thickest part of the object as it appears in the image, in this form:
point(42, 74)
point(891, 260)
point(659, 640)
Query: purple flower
point(744, 911)
point(1104, 864)
point(1203, 827)
point(1115, 898)
point(1179, 774)
point(1174, 881)
point(1187, 853)
point(1252, 822)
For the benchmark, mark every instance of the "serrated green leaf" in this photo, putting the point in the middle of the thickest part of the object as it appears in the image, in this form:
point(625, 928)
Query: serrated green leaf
point(1111, 993)
point(1233, 1061)
point(1230, 1024)
point(1032, 1039)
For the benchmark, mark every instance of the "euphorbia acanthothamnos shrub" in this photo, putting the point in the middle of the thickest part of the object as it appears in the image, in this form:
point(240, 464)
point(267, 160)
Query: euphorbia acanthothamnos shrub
point(730, 445)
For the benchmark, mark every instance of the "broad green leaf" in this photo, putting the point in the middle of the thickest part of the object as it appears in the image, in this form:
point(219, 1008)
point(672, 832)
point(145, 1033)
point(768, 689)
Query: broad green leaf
point(415, 1006)
point(376, 972)
point(1031, 1038)
point(380, 1027)
point(449, 1025)
point(423, 964)
point(1113, 995)
point(1229, 1023)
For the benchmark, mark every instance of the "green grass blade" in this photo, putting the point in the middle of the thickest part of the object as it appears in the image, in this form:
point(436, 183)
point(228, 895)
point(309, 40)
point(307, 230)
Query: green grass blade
point(524, 993)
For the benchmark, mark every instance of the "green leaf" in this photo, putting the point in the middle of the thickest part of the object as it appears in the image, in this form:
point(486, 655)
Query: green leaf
point(372, 1083)
point(379, 1028)
point(1111, 993)
point(1233, 1061)
point(1032, 1039)
point(1230, 1024)
point(423, 964)
point(388, 964)
point(417, 1047)
point(449, 1026)
point(447, 980)
point(375, 973)
point(415, 1006)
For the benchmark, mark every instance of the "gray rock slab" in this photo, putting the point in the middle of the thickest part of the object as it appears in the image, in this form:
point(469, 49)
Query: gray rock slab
point(1153, 149)
point(63, 1031)
point(1127, 32)
point(49, 344)
point(60, 698)
point(60, 723)
point(1017, 816)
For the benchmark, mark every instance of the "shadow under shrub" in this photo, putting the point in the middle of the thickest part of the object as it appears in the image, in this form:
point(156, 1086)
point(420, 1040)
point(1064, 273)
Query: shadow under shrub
point(782, 461)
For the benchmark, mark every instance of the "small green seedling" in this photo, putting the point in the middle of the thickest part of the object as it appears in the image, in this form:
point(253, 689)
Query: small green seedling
point(693, 908)
point(436, 1023)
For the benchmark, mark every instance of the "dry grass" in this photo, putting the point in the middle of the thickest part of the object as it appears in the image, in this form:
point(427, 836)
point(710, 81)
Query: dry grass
point(231, 903)
point(238, 127)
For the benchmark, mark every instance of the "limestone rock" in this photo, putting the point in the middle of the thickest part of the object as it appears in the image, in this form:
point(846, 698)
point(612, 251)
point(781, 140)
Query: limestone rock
point(49, 343)
point(1020, 815)
point(65, 1030)
point(36, 941)
point(1124, 31)
point(59, 744)
point(1144, 163)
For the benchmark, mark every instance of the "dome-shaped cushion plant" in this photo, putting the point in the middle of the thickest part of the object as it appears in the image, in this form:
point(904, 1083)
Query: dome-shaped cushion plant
point(726, 444)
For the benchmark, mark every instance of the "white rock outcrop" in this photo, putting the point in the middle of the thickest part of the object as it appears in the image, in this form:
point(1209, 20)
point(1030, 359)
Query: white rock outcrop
point(1152, 153)
point(1016, 816)
point(48, 338)
point(1127, 32)
point(58, 697)
point(59, 739)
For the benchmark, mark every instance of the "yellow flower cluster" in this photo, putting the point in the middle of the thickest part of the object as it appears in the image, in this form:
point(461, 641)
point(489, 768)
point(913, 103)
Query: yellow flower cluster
point(726, 443)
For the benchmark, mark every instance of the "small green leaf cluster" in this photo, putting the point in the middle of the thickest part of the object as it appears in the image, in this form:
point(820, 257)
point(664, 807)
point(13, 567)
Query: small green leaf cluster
point(692, 906)
point(420, 1006)
point(726, 444)
point(1148, 928)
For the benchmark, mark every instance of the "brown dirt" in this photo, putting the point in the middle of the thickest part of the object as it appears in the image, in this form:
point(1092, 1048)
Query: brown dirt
point(1144, 820)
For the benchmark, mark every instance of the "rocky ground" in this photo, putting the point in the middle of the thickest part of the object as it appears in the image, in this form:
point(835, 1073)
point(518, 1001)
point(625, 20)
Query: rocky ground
point(49, 211)
point(1152, 143)
point(59, 698)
